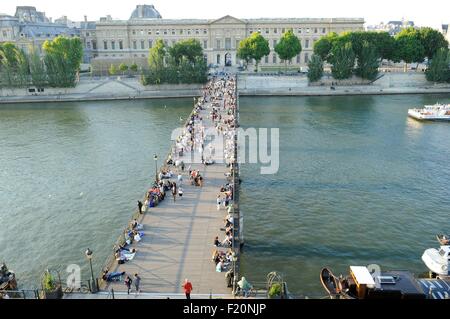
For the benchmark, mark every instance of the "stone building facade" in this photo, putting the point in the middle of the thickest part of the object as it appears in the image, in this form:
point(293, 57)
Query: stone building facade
point(131, 39)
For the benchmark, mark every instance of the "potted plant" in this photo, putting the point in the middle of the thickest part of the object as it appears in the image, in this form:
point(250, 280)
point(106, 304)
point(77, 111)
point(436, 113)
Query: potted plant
point(51, 289)
point(275, 291)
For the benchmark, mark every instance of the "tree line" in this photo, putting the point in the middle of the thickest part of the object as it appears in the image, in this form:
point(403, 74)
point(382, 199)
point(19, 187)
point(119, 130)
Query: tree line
point(361, 53)
point(357, 53)
point(58, 67)
point(183, 62)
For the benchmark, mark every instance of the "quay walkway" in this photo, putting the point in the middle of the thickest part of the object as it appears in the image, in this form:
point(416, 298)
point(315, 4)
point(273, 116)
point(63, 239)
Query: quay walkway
point(178, 240)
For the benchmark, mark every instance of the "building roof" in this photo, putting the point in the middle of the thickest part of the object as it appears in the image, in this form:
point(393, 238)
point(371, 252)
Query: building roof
point(139, 21)
point(46, 30)
point(145, 12)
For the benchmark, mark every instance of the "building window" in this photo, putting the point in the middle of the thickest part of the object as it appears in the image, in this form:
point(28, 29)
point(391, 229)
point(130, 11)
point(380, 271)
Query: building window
point(267, 31)
point(306, 43)
point(298, 59)
point(150, 44)
point(165, 32)
point(113, 45)
point(250, 31)
point(205, 31)
point(142, 44)
point(266, 59)
point(173, 32)
point(197, 31)
point(227, 43)
point(218, 59)
point(275, 30)
point(149, 32)
point(181, 31)
point(142, 32)
point(189, 31)
point(307, 30)
point(237, 43)
point(274, 59)
point(306, 58)
point(218, 44)
point(324, 30)
point(315, 30)
point(134, 45)
point(105, 45)
point(88, 45)
point(120, 44)
point(274, 43)
point(299, 30)
point(87, 34)
point(205, 44)
point(134, 32)
point(94, 45)
point(157, 32)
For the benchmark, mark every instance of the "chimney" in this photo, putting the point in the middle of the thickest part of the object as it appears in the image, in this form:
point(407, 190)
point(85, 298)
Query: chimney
point(85, 18)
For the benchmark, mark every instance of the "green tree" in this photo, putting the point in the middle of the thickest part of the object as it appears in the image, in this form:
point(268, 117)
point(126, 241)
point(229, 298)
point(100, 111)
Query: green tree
point(112, 69)
point(432, 40)
point(315, 68)
point(439, 69)
point(368, 62)
point(244, 51)
point(288, 47)
point(254, 47)
point(189, 49)
point(123, 68)
point(343, 60)
point(63, 57)
point(37, 69)
point(156, 60)
point(134, 67)
point(409, 47)
point(323, 46)
point(14, 67)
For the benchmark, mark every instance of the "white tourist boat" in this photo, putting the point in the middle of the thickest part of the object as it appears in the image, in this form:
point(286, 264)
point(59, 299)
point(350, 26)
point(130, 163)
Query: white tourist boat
point(437, 260)
point(437, 112)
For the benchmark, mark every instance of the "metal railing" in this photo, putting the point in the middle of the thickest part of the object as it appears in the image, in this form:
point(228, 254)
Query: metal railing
point(20, 294)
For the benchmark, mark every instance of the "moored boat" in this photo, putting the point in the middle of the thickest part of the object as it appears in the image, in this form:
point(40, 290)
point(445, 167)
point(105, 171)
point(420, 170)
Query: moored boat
point(330, 282)
point(444, 240)
point(437, 260)
point(437, 112)
point(362, 284)
point(7, 279)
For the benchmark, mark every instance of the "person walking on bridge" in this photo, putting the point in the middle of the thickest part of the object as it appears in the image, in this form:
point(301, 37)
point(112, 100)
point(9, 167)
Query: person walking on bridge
point(187, 288)
point(139, 203)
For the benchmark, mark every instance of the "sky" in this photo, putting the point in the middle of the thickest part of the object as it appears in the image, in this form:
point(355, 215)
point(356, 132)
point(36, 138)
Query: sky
point(424, 13)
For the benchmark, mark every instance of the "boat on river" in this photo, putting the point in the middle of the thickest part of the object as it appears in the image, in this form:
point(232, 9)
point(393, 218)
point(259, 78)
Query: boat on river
point(7, 279)
point(443, 239)
point(437, 260)
point(362, 284)
point(437, 112)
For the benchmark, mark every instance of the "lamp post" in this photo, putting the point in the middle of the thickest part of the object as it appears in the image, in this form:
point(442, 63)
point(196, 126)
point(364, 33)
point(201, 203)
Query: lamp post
point(155, 157)
point(89, 253)
point(234, 258)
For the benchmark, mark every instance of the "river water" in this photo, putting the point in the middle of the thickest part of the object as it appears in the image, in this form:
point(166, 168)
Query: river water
point(359, 183)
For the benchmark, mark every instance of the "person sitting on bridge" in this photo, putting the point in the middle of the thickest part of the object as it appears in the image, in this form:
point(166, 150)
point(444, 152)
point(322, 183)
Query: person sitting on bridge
point(114, 276)
point(217, 242)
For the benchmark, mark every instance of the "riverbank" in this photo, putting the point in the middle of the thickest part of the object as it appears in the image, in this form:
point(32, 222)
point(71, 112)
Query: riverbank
point(249, 85)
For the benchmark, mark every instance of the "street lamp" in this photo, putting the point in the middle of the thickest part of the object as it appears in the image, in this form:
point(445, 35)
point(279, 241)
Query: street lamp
point(89, 253)
point(155, 157)
point(235, 259)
